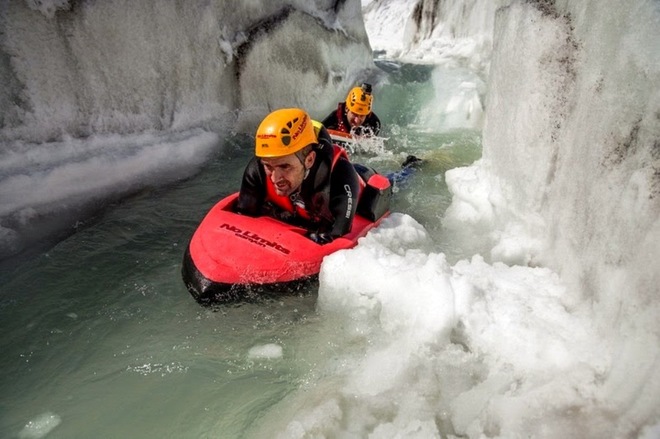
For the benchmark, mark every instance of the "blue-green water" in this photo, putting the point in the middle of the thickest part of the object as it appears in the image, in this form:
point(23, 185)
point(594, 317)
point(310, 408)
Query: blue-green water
point(101, 339)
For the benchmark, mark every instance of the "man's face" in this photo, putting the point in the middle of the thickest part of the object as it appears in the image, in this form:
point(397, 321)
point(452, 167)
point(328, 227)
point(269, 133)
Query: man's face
point(288, 172)
point(355, 120)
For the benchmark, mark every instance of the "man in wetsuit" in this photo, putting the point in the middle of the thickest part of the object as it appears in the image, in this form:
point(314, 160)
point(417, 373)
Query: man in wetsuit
point(298, 176)
point(354, 115)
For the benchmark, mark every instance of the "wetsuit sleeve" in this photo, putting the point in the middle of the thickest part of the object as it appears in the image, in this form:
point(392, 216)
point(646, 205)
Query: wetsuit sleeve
point(373, 122)
point(253, 189)
point(344, 191)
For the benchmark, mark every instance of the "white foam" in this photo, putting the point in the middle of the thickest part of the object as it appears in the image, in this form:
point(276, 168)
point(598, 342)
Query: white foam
point(268, 351)
point(40, 426)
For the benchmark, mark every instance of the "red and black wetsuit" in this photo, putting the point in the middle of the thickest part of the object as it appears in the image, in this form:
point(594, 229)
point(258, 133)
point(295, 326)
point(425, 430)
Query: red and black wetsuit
point(337, 120)
point(329, 193)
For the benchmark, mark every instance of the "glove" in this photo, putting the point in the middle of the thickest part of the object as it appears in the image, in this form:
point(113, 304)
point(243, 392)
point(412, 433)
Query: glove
point(320, 237)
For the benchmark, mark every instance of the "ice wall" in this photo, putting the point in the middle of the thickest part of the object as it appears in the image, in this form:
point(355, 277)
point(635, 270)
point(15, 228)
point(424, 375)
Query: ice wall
point(454, 36)
point(450, 32)
point(571, 152)
point(573, 134)
point(120, 66)
point(102, 98)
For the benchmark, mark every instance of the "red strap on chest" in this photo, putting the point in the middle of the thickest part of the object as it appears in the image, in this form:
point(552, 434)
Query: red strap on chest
point(285, 202)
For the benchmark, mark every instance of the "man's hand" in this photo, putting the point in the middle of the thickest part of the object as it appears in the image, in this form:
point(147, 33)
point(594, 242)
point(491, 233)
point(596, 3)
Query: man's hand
point(320, 237)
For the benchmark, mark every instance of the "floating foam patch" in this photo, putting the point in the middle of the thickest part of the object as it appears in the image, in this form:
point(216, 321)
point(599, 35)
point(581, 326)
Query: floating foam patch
point(268, 351)
point(40, 426)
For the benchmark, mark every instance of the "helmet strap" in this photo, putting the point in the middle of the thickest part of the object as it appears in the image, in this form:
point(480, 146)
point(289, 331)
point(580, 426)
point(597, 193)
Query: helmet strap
point(303, 158)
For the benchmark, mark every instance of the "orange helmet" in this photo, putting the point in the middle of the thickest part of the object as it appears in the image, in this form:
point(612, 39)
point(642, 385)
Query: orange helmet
point(359, 100)
point(283, 132)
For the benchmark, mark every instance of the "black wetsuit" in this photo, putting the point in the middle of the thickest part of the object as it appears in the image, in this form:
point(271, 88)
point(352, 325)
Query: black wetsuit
point(337, 120)
point(330, 194)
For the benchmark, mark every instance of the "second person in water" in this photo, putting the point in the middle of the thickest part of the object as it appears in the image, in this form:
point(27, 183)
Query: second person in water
point(355, 114)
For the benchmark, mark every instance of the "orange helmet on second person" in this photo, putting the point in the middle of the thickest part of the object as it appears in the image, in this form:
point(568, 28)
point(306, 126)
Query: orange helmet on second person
point(283, 132)
point(359, 100)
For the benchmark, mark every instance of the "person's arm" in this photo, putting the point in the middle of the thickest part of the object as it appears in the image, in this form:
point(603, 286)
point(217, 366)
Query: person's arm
point(253, 189)
point(375, 124)
point(344, 191)
point(372, 123)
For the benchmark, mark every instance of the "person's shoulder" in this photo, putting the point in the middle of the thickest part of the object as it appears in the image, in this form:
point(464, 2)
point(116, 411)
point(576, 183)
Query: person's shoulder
point(253, 169)
point(323, 138)
point(343, 169)
point(373, 123)
point(331, 119)
point(253, 163)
